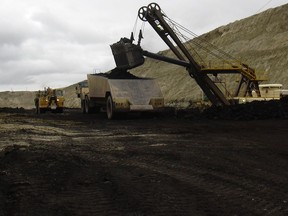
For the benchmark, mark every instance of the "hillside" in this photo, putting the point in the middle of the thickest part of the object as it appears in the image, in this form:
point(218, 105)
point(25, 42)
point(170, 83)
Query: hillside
point(17, 99)
point(25, 99)
point(261, 41)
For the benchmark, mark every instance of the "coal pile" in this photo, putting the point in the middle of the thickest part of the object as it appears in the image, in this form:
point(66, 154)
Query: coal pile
point(257, 110)
point(117, 73)
point(12, 110)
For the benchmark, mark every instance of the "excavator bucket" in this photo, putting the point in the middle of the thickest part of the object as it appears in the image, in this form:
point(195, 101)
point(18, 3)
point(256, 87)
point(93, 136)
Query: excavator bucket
point(126, 54)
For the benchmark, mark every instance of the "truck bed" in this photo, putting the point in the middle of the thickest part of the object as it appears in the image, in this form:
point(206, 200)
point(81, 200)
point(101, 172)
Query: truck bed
point(129, 94)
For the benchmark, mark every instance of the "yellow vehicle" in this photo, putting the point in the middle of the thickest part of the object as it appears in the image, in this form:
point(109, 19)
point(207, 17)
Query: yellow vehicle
point(119, 92)
point(49, 100)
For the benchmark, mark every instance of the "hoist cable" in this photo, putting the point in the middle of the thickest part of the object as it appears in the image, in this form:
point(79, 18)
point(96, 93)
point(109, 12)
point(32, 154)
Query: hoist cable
point(182, 36)
point(204, 48)
point(135, 25)
point(143, 27)
point(264, 6)
point(197, 38)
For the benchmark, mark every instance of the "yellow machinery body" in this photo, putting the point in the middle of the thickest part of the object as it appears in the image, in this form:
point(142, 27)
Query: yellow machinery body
point(49, 100)
point(119, 95)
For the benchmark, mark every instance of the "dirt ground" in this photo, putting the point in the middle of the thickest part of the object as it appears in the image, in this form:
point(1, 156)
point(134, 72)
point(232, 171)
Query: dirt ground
point(76, 164)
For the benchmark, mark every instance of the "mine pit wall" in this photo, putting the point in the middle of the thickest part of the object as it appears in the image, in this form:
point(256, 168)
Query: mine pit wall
point(17, 99)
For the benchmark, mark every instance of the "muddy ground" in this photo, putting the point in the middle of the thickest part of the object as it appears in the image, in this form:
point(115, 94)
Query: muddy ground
point(75, 164)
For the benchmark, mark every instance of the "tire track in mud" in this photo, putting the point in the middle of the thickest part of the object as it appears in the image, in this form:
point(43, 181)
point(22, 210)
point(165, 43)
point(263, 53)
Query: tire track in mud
point(80, 199)
point(155, 169)
point(240, 194)
point(52, 184)
point(215, 194)
point(230, 188)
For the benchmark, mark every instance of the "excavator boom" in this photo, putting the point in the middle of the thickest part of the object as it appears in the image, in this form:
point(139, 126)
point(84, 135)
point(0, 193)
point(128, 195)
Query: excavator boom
point(152, 14)
point(170, 34)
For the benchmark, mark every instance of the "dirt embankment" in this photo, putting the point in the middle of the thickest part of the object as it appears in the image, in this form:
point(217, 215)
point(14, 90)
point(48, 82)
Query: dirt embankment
point(18, 99)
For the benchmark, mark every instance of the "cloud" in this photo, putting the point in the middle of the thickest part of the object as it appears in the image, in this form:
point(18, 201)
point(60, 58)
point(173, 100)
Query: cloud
point(59, 42)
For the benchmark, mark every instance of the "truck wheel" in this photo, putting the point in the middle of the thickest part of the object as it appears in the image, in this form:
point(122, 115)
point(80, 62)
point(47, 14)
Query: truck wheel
point(37, 109)
point(37, 105)
point(83, 106)
point(110, 107)
point(87, 109)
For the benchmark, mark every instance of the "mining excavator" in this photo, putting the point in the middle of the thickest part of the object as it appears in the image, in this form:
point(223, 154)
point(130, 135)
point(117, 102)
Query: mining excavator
point(130, 55)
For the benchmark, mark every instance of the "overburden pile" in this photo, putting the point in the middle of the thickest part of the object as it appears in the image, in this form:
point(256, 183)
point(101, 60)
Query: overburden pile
point(256, 110)
point(117, 73)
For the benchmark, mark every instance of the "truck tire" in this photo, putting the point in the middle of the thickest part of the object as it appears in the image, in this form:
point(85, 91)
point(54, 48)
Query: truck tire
point(110, 107)
point(87, 108)
point(36, 101)
point(37, 108)
point(83, 106)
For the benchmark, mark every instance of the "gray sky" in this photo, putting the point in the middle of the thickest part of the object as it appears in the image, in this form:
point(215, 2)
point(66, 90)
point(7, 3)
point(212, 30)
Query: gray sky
point(56, 43)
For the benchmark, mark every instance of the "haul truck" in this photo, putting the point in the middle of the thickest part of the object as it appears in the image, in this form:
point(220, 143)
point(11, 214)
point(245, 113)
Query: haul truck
point(116, 92)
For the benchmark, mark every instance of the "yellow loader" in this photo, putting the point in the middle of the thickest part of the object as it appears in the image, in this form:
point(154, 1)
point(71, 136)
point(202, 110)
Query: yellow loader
point(49, 100)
